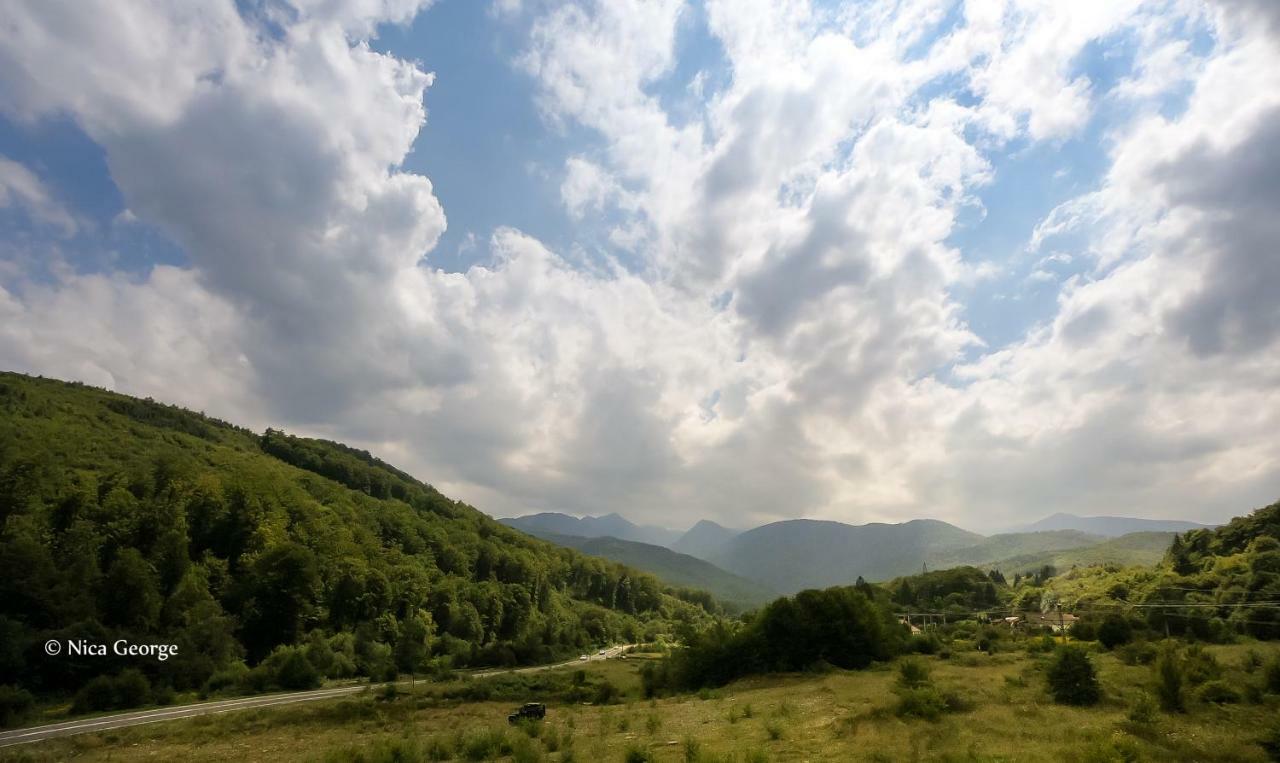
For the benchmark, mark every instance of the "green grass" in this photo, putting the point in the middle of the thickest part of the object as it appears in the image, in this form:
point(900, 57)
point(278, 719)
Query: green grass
point(1004, 714)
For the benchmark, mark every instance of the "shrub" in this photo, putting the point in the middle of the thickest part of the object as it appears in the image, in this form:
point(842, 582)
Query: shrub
point(912, 674)
point(925, 702)
point(1169, 681)
point(1072, 679)
point(1200, 666)
point(774, 730)
point(638, 754)
point(1271, 677)
point(1219, 693)
point(1251, 662)
point(1271, 743)
point(1137, 653)
point(1114, 631)
point(15, 704)
point(1143, 709)
point(485, 745)
point(692, 750)
point(606, 693)
point(525, 750)
point(128, 689)
point(1042, 645)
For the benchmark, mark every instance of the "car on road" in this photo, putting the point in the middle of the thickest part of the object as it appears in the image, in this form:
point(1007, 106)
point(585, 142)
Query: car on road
point(602, 651)
point(534, 711)
point(583, 657)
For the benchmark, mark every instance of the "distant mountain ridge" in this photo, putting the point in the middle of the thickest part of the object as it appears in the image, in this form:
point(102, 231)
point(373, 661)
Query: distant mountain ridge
point(609, 525)
point(671, 567)
point(803, 553)
point(792, 555)
point(1111, 527)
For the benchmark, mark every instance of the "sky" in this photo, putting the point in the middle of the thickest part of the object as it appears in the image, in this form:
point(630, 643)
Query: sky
point(975, 260)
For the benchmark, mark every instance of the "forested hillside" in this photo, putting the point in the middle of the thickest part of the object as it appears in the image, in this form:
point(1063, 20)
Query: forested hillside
point(125, 518)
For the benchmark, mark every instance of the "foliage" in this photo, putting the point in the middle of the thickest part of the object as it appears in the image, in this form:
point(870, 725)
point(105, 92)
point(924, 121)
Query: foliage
point(125, 518)
point(1114, 631)
point(1169, 681)
point(1072, 679)
point(15, 704)
point(837, 626)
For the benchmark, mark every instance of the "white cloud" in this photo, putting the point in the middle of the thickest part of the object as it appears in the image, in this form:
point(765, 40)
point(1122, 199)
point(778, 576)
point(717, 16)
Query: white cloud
point(792, 250)
point(20, 187)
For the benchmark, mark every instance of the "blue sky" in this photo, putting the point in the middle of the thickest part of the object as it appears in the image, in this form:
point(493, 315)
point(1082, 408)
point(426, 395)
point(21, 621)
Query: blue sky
point(700, 256)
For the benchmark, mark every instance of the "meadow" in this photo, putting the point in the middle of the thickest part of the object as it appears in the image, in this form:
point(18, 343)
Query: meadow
point(996, 708)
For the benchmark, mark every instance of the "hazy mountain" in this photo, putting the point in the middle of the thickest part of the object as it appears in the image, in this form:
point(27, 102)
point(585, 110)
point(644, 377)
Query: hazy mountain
point(609, 525)
point(1111, 527)
point(704, 540)
point(671, 567)
point(803, 553)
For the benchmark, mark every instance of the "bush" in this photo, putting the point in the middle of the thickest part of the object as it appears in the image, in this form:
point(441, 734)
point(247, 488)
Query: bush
point(1072, 679)
point(1218, 693)
point(925, 702)
point(1200, 666)
point(912, 674)
point(1143, 709)
point(1271, 677)
point(15, 704)
point(485, 745)
point(1137, 653)
point(638, 754)
point(1114, 631)
point(128, 689)
point(1169, 681)
point(773, 729)
point(1271, 743)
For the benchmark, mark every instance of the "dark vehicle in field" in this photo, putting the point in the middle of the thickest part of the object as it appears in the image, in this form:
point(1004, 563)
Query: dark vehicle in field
point(534, 711)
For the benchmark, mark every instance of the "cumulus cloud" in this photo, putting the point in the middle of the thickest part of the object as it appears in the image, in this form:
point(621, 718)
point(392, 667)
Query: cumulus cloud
point(788, 340)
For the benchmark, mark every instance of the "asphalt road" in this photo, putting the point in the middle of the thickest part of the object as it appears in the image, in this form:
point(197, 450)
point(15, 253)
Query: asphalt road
point(138, 718)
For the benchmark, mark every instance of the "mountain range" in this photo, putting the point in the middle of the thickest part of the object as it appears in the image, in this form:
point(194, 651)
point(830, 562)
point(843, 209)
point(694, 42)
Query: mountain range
point(796, 554)
point(1111, 527)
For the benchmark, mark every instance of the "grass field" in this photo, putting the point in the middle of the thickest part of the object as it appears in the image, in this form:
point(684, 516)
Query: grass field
point(1002, 713)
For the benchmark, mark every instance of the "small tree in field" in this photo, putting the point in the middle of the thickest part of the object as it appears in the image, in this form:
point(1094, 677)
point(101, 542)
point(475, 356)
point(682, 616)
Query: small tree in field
point(1169, 681)
point(1072, 679)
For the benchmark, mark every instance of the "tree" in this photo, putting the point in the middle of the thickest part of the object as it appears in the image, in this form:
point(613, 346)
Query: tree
point(1169, 680)
point(1072, 679)
point(130, 596)
point(1114, 631)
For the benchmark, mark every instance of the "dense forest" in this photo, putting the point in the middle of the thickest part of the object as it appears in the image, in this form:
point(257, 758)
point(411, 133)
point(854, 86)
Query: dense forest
point(271, 560)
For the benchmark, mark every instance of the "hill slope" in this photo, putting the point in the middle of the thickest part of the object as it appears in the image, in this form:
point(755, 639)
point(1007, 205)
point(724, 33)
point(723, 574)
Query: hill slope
point(803, 553)
point(672, 568)
point(609, 525)
point(996, 548)
point(1111, 527)
point(125, 518)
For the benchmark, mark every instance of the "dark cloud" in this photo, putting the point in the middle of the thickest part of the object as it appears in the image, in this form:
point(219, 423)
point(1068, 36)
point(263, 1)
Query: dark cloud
point(1235, 309)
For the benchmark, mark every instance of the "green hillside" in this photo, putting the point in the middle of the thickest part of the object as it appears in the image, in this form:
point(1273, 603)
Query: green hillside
point(1135, 549)
point(997, 548)
point(673, 568)
point(125, 518)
